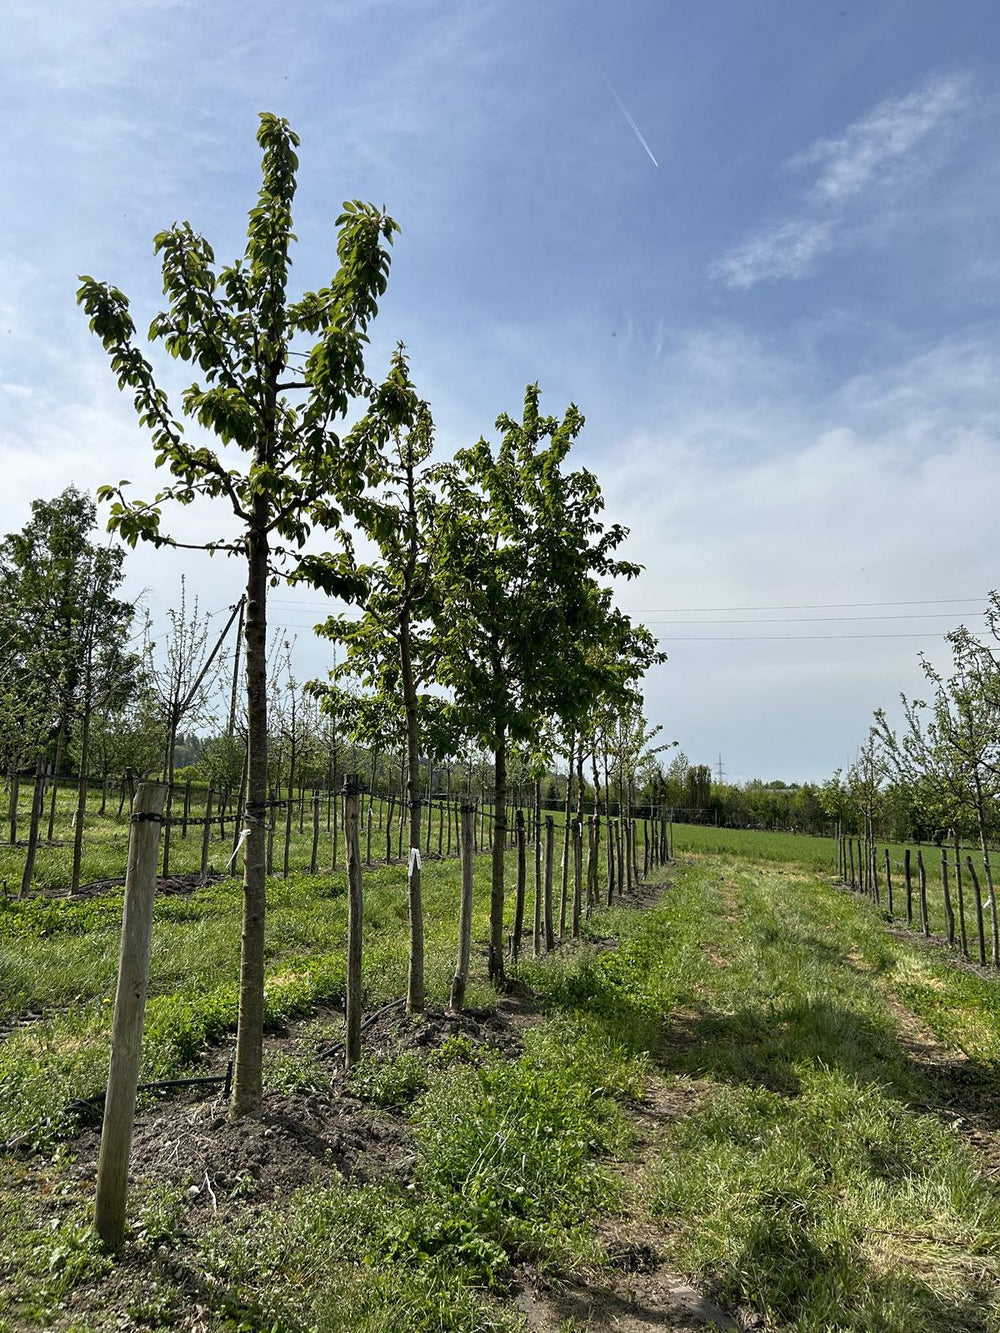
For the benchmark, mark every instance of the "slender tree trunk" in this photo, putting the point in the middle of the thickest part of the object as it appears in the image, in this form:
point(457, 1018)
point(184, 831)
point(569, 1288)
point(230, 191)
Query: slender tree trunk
point(81, 788)
point(34, 825)
point(247, 1074)
point(515, 943)
point(415, 974)
point(467, 817)
point(496, 969)
point(536, 942)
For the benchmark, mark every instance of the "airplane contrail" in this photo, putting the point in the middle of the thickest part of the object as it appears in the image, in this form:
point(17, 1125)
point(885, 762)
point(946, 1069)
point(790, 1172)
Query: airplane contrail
point(632, 125)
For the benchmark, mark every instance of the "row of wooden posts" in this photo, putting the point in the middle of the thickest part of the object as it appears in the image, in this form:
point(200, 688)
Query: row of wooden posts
point(861, 866)
point(633, 848)
point(383, 822)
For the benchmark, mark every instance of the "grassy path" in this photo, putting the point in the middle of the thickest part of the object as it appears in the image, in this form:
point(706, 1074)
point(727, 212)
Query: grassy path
point(758, 1088)
point(837, 1167)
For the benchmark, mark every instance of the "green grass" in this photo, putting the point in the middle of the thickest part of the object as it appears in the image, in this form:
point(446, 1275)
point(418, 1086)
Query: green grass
point(65, 955)
point(817, 1176)
point(807, 1183)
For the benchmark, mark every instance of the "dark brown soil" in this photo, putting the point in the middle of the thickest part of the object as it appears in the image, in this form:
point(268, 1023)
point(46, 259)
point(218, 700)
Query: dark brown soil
point(299, 1138)
point(224, 1163)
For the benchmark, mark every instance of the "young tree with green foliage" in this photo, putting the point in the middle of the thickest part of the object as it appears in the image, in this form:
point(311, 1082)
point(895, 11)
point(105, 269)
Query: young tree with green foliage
point(517, 549)
point(387, 648)
point(66, 649)
point(277, 404)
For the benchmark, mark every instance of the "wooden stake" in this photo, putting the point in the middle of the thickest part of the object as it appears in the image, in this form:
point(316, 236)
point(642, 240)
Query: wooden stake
point(925, 923)
point(206, 834)
point(467, 815)
point(550, 843)
point(978, 897)
point(515, 943)
point(130, 1005)
point(949, 914)
point(355, 918)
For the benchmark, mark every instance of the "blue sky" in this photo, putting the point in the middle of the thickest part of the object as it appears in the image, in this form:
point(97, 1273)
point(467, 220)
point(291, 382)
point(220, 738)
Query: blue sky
point(784, 333)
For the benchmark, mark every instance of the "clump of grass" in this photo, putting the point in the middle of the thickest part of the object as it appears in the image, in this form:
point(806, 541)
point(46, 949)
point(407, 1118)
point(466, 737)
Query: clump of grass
point(390, 1081)
point(822, 1211)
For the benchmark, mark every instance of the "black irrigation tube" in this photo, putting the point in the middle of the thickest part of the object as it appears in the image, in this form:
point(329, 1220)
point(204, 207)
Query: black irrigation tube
point(372, 1018)
point(89, 1105)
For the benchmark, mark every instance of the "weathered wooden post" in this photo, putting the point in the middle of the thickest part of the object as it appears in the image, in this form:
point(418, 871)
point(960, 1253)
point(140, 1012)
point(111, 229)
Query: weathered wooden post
point(206, 833)
point(37, 806)
point(593, 853)
point(908, 876)
point(314, 857)
point(466, 849)
point(577, 876)
point(355, 918)
point(949, 913)
point(888, 881)
point(130, 1005)
point(550, 847)
point(925, 923)
point(977, 894)
point(522, 877)
point(609, 899)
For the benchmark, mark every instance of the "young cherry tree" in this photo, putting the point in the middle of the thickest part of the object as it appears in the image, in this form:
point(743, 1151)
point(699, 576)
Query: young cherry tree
point(388, 647)
point(517, 549)
point(275, 405)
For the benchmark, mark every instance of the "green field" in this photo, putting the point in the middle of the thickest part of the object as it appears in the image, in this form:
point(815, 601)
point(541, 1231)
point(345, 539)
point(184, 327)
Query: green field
point(750, 1084)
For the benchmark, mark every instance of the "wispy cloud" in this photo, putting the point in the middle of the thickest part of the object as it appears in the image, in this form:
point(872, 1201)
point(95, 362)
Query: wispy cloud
point(877, 155)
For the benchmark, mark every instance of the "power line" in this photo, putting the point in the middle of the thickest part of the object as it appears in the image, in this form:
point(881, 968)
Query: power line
point(783, 638)
point(810, 606)
point(806, 620)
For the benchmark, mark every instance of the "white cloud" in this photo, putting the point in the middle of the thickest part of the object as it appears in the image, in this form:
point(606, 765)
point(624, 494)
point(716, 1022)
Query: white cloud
point(860, 172)
point(750, 492)
point(875, 143)
point(787, 250)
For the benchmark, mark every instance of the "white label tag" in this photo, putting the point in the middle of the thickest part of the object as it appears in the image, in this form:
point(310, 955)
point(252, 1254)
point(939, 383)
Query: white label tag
point(236, 850)
point(414, 858)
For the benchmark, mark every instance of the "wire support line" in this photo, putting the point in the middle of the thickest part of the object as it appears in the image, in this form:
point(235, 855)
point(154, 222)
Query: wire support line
point(810, 620)
point(784, 638)
point(806, 606)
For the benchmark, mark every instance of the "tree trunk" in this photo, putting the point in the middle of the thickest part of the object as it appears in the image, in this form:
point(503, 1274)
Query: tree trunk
point(247, 1073)
point(515, 943)
point(467, 815)
point(536, 946)
point(81, 790)
point(415, 972)
point(496, 969)
point(355, 919)
point(37, 806)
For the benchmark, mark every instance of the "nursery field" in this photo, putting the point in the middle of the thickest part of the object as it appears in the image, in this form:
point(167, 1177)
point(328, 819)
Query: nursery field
point(741, 1101)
